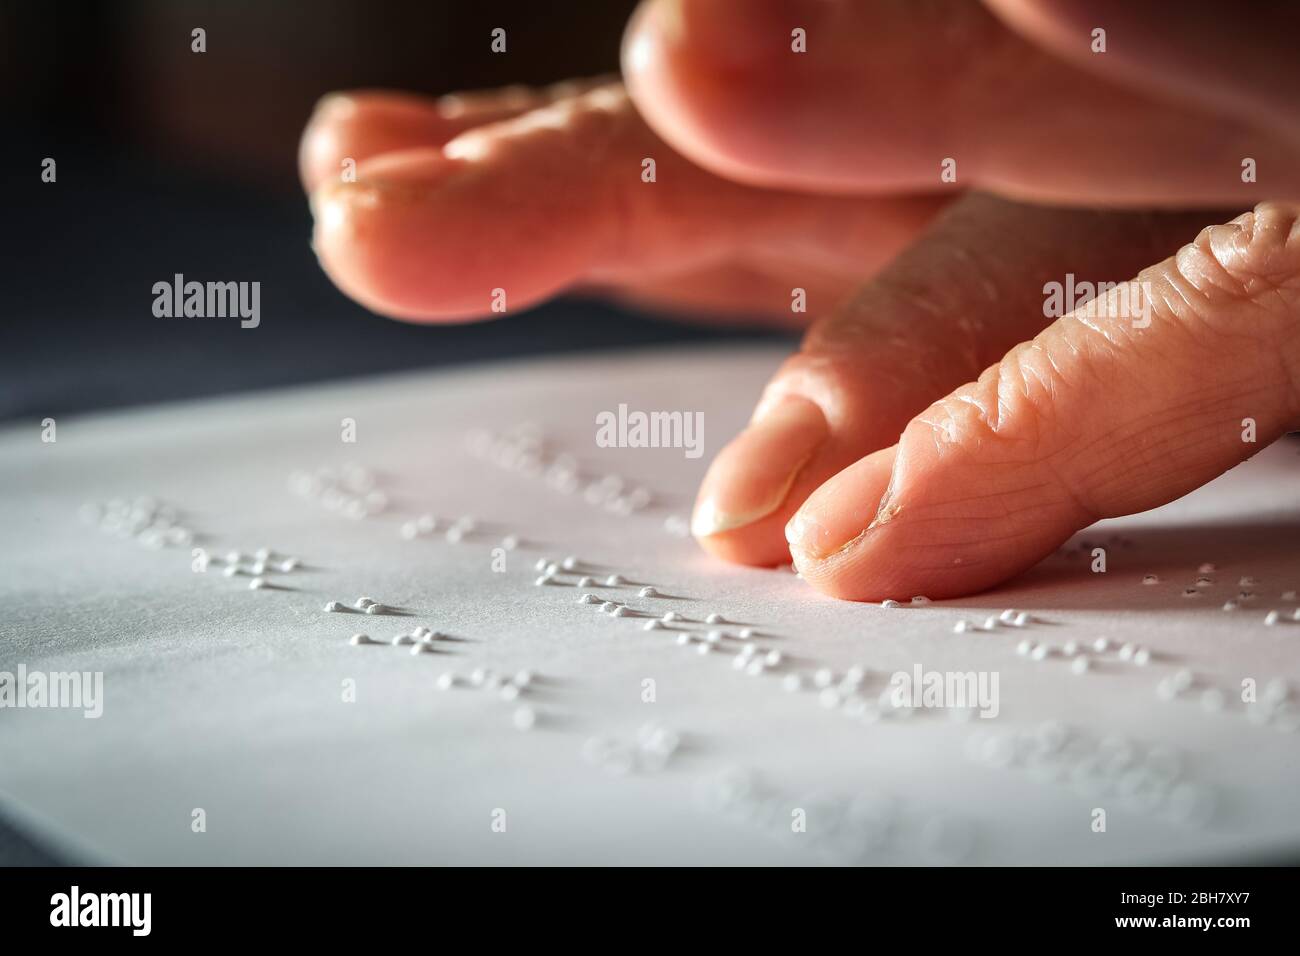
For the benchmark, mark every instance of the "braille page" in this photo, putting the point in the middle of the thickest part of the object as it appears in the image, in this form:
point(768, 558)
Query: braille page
point(241, 724)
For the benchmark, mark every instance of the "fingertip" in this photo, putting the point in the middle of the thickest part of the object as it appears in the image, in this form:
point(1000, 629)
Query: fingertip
point(373, 237)
point(750, 486)
point(826, 531)
point(322, 144)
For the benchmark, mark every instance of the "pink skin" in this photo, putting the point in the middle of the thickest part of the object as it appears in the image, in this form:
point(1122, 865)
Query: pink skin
point(935, 433)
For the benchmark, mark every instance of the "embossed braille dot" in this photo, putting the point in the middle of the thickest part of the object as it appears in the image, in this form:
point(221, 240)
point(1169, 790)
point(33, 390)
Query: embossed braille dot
point(334, 606)
point(1079, 665)
point(715, 619)
point(648, 592)
point(358, 639)
point(1150, 579)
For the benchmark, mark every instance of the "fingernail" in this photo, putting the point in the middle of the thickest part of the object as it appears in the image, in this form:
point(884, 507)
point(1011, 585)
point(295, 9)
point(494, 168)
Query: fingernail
point(842, 510)
point(752, 476)
point(334, 106)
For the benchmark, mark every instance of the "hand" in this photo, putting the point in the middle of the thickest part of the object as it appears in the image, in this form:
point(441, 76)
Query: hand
point(1123, 405)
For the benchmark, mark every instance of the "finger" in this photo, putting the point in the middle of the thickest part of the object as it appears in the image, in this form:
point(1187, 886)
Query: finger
point(887, 93)
point(1244, 65)
point(563, 195)
point(364, 123)
point(970, 288)
point(1110, 411)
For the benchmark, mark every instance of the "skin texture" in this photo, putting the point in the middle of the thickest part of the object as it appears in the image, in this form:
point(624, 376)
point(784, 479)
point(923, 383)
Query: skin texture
point(937, 432)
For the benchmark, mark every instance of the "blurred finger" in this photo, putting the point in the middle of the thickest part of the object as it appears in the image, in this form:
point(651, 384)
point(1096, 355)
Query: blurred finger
point(363, 123)
point(898, 96)
point(580, 191)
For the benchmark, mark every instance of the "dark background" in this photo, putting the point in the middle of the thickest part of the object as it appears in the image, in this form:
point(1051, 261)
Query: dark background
point(172, 161)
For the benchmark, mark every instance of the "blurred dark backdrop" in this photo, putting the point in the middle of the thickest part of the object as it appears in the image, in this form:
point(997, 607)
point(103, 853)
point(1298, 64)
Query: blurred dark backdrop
point(171, 161)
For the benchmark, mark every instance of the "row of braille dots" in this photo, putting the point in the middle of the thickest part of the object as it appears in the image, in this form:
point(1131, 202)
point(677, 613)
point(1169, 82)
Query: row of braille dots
point(453, 530)
point(750, 658)
point(651, 751)
point(145, 519)
point(523, 449)
point(1081, 655)
point(919, 600)
point(1083, 547)
point(847, 694)
point(349, 490)
point(857, 829)
point(1008, 618)
point(1145, 780)
point(524, 716)
point(1274, 706)
point(258, 565)
point(419, 639)
point(362, 605)
point(1204, 581)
